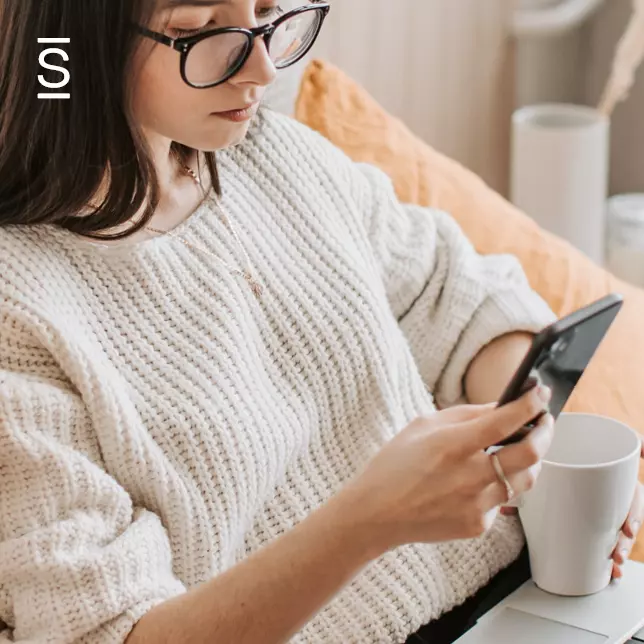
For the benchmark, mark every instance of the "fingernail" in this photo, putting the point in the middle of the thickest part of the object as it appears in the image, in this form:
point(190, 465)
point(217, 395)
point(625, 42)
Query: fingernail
point(617, 581)
point(635, 527)
point(623, 553)
point(545, 393)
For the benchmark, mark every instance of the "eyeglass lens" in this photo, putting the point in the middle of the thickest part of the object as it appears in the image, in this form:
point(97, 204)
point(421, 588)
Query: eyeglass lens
point(212, 59)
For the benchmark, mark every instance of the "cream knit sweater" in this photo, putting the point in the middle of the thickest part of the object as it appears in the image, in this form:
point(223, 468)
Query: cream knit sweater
point(158, 423)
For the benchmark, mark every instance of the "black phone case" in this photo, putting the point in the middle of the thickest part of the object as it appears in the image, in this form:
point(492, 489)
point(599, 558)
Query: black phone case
point(527, 375)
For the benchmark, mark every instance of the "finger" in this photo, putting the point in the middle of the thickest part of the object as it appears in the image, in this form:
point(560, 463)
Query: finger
point(633, 523)
point(491, 429)
point(465, 413)
point(508, 511)
point(457, 415)
point(642, 446)
point(617, 572)
point(622, 550)
point(496, 494)
point(531, 450)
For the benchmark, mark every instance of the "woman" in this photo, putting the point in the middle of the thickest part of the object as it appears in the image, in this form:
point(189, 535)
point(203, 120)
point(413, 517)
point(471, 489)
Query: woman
point(217, 378)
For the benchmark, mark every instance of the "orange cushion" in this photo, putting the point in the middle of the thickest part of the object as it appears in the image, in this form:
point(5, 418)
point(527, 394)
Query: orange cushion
point(342, 111)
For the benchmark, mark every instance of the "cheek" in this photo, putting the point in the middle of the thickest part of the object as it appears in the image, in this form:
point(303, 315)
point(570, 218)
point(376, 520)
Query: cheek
point(165, 105)
point(160, 95)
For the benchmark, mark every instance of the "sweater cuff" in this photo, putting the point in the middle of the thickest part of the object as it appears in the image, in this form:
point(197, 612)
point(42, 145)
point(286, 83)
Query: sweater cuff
point(500, 314)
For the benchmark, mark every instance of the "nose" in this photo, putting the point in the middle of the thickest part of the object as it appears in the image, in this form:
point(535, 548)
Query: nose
point(259, 69)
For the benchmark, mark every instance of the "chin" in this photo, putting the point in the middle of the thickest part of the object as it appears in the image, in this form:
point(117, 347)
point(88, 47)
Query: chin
point(239, 136)
point(232, 137)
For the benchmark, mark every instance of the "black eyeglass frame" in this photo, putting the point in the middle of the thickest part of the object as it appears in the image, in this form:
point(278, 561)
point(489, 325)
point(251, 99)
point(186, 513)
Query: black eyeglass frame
point(185, 44)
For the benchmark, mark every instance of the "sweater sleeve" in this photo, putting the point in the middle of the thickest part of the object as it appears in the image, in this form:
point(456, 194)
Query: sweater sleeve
point(79, 562)
point(450, 301)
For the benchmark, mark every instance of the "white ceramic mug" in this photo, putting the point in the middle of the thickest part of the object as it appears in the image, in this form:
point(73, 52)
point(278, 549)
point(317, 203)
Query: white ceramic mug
point(573, 515)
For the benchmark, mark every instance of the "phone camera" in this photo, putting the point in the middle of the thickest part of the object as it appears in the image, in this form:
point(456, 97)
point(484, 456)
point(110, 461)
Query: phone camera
point(561, 345)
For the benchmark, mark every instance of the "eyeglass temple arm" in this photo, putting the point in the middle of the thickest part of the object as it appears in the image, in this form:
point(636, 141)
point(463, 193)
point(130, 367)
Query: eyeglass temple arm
point(160, 38)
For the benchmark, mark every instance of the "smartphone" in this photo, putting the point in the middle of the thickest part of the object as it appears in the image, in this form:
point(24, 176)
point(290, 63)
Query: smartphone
point(559, 355)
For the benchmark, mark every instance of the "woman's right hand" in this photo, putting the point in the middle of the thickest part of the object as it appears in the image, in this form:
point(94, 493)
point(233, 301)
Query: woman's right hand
point(433, 482)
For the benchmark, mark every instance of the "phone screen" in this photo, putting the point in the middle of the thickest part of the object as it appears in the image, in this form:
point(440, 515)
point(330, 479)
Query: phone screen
point(561, 366)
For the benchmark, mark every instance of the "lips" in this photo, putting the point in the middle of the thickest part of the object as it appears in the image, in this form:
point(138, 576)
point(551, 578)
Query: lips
point(237, 109)
point(240, 114)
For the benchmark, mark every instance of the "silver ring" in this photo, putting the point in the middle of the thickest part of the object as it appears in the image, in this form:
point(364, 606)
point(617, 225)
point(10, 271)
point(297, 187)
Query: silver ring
point(496, 464)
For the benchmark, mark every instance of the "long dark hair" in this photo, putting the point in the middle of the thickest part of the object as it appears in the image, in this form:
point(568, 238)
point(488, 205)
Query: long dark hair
point(56, 154)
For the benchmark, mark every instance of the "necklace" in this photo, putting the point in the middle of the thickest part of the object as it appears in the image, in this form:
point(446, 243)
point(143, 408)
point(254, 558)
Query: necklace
point(247, 274)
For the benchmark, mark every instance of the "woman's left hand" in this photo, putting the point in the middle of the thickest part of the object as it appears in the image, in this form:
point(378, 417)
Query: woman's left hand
point(630, 529)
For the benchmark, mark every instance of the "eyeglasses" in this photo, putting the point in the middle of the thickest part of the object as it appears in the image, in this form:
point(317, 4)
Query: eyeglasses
point(211, 58)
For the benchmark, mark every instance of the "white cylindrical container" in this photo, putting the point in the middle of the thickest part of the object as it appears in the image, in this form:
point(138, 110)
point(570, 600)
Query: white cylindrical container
point(625, 246)
point(560, 166)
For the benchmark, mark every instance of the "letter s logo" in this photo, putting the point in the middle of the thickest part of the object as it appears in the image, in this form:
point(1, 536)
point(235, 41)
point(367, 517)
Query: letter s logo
point(43, 63)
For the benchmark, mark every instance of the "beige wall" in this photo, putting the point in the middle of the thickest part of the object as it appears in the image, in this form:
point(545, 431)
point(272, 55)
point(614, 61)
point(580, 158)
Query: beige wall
point(444, 66)
point(600, 38)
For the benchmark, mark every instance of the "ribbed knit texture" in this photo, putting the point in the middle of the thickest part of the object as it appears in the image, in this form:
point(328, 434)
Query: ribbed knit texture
point(158, 423)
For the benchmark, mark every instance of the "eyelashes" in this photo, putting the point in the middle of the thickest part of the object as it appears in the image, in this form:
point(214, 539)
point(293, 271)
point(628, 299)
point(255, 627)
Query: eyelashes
point(264, 14)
